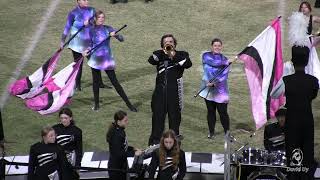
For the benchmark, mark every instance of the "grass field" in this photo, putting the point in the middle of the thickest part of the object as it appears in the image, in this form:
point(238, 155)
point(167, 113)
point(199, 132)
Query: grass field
point(193, 22)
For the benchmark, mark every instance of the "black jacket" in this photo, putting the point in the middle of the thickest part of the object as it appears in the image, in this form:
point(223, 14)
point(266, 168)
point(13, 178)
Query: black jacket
point(175, 66)
point(119, 149)
point(167, 173)
point(45, 159)
point(70, 138)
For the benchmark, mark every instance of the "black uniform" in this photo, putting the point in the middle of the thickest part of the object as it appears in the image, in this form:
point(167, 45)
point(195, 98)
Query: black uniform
point(274, 138)
point(45, 159)
point(168, 94)
point(166, 172)
point(70, 139)
point(300, 90)
point(119, 151)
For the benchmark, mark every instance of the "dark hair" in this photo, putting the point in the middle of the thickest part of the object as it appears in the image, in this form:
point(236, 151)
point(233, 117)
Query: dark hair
point(46, 130)
point(175, 151)
point(300, 56)
point(216, 40)
point(165, 36)
point(118, 116)
point(68, 112)
point(281, 112)
point(305, 3)
point(98, 13)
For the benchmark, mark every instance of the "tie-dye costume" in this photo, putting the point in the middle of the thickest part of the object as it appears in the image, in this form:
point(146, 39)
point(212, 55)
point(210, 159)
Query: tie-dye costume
point(75, 21)
point(102, 57)
point(212, 65)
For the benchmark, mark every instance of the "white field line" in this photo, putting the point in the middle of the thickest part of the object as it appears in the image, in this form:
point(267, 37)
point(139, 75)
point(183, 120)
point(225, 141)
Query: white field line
point(40, 29)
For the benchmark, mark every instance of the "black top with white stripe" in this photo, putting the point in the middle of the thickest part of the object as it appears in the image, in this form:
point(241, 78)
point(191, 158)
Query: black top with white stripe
point(45, 159)
point(70, 139)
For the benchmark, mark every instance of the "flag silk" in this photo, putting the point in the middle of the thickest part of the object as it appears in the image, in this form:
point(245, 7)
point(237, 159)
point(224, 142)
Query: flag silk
point(263, 67)
point(28, 87)
point(58, 90)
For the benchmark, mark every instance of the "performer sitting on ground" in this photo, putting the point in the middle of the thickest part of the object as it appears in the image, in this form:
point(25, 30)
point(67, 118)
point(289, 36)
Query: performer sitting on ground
point(170, 159)
point(274, 132)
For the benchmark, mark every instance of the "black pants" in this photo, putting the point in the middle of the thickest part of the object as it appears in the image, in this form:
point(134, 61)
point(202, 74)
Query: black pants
point(300, 135)
point(76, 57)
point(317, 4)
point(211, 115)
point(96, 78)
point(159, 112)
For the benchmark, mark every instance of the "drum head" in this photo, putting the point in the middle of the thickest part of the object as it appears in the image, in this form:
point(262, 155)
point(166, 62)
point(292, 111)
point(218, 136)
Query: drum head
point(267, 174)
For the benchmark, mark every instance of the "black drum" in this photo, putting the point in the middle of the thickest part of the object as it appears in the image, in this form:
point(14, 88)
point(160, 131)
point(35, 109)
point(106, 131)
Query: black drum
point(277, 158)
point(267, 174)
point(254, 156)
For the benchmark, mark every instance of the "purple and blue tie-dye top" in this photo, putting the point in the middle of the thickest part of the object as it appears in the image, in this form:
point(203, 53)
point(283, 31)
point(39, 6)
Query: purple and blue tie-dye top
point(75, 21)
point(102, 57)
point(212, 64)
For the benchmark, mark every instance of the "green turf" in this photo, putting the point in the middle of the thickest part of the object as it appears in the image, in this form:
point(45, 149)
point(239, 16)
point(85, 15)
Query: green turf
point(193, 22)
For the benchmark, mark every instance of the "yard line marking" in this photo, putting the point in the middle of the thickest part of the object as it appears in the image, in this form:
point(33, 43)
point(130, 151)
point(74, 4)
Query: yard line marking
point(28, 51)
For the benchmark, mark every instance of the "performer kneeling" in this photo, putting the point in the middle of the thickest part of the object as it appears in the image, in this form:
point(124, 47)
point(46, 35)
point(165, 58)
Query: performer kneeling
point(69, 137)
point(47, 160)
point(118, 147)
point(102, 59)
point(168, 94)
point(169, 158)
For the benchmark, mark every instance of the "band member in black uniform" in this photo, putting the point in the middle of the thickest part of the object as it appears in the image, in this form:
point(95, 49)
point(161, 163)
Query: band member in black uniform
point(274, 139)
point(168, 94)
point(169, 158)
point(69, 137)
point(118, 147)
point(300, 90)
point(47, 160)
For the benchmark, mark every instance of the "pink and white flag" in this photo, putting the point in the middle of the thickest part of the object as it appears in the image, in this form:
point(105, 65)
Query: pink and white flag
point(264, 66)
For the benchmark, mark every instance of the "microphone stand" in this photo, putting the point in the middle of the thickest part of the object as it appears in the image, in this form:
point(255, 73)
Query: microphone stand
point(3, 162)
point(165, 87)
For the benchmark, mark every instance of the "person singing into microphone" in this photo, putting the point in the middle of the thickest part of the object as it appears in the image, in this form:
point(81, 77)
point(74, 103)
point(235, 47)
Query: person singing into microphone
point(216, 95)
point(168, 93)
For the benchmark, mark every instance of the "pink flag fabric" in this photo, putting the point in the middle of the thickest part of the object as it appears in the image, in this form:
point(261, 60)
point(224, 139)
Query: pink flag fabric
point(264, 67)
point(59, 88)
point(30, 86)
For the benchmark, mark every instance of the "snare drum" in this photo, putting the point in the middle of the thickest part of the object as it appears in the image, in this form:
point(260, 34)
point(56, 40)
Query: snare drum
point(254, 156)
point(277, 158)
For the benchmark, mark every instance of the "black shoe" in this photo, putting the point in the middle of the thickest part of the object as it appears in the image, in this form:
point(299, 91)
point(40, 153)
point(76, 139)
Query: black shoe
point(211, 136)
point(113, 1)
point(78, 88)
point(95, 107)
point(105, 86)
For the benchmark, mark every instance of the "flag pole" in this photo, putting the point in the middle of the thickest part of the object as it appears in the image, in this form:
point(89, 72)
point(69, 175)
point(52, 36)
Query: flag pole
point(215, 76)
point(72, 37)
point(97, 46)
